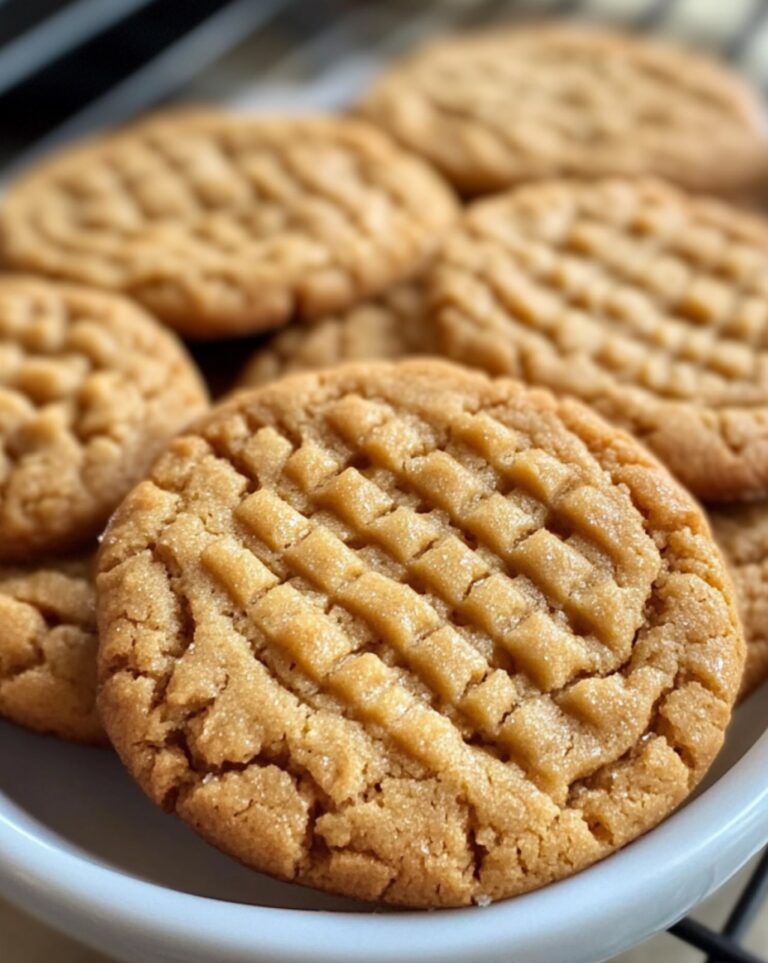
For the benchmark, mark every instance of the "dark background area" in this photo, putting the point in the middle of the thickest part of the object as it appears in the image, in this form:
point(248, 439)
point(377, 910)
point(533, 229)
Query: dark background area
point(71, 66)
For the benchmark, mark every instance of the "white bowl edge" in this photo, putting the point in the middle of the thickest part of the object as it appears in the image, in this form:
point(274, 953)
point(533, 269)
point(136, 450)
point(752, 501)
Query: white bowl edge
point(625, 898)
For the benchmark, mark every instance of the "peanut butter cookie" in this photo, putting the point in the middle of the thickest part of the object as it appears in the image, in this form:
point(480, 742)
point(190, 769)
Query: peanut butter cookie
point(91, 389)
point(407, 633)
point(493, 110)
point(395, 325)
point(223, 224)
point(48, 648)
point(646, 302)
point(742, 533)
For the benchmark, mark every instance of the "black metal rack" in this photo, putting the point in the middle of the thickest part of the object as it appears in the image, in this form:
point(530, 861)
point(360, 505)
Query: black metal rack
point(71, 66)
point(725, 947)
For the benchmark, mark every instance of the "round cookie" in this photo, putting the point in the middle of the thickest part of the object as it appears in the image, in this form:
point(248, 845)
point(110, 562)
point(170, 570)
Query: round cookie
point(91, 389)
point(742, 533)
point(223, 224)
point(48, 648)
point(648, 303)
point(395, 325)
point(493, 110)
point(410, 634)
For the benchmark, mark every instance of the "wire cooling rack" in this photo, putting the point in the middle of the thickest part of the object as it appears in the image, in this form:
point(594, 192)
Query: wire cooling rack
point(69, 68)
point(725, 947)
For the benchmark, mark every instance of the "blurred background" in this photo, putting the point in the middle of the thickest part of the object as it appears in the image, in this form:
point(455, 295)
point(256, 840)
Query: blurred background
point(68, 68)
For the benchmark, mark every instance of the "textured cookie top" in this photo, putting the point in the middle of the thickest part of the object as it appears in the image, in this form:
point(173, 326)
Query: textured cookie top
point(223, 224)
point(48, 648)
point(395, 325)
point(646, 302)
point(492, 110)
point(410, 634)
point(742, 533)
point(91, 388)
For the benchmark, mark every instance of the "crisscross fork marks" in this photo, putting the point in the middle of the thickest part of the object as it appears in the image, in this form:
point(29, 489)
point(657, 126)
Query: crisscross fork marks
point(205, 713)
point(458, 579)
point(301, 700)
point(553, 114)
point(628, 316)
point(596, 283)
point(499, 109)
point(265, 191)
point(90, 389)
point(221, 223)
point(695, 262)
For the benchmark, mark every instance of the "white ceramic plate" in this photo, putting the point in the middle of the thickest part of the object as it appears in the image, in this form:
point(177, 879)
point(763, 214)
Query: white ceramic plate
point(83, 850)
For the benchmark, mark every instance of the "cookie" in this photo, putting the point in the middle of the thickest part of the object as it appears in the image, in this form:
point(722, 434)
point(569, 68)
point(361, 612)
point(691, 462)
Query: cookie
point(493, 110)
point(48, 648)
point(410, 634)
point(646, 302)
point(223, 224)
point(742, 533)
point(91, 389)
point(395, 325)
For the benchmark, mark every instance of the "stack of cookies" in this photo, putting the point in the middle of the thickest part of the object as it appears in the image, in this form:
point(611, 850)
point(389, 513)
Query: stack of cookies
point(425, 631)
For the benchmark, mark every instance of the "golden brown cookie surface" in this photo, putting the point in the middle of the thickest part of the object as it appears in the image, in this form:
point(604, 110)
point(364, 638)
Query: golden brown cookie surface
point(48, 648)
point(493, 110)
point(91, 389)
point(643, 301)
point(407, 633)
point(223, 224)
point(395, 325)
point(742, 533)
